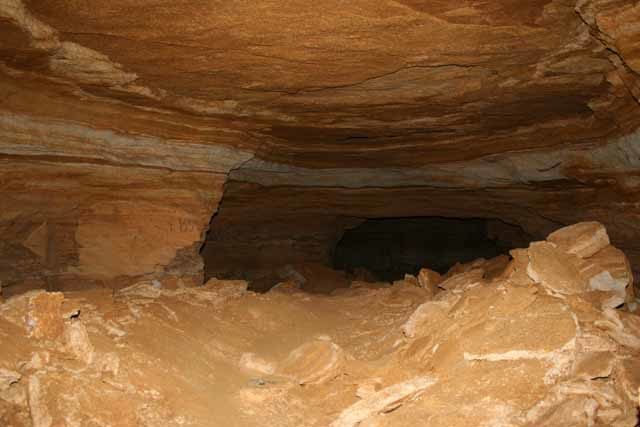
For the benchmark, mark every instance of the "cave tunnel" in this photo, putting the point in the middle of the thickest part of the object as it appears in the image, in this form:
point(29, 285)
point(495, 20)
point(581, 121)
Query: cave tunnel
point(386, 213)
point(392, 247)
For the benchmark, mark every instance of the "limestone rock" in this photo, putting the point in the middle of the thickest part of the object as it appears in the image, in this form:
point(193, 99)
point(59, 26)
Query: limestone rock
point(252, 362)
point(583, 239)
point(429, 280)
point(461, 281)
point(384, 400)
point(40, 416)
point(315, 362)
point(286, 287)
point(555, 269)
point(609, 270)
point(226, 288)
point(77, 341)
point(431, 311)
point(7, 378)
point(516, 271)
point(44, 318)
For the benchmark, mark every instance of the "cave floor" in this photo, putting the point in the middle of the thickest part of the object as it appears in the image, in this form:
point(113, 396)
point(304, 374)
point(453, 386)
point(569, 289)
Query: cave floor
point(487, 346)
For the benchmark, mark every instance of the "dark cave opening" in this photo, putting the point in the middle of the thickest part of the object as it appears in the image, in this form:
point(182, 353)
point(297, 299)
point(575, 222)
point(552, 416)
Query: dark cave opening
point(391, 247)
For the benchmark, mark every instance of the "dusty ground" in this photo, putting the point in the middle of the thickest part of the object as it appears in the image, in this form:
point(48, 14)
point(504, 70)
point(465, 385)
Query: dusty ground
point(531, 341)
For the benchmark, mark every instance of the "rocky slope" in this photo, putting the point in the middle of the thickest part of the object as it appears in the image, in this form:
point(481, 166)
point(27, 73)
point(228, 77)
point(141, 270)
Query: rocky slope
point(539, 340)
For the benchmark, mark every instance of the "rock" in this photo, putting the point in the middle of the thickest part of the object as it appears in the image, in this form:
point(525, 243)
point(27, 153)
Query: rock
point(431, 311)
point(583, 239)
point(146, 289)
point(407, 280)
point(367, 387)
point(629, 378)
point(252, 362)
point(8, 378)
point(77, 341)
point(384, 400)
point(108, 364)
point(226, 288)
point(37, 404)
point(44, 317)
point(286, 287)
point(516, 271)
point(289, 273)
point(555, 269)
point(609, 270)
point(429, 280)
point(461, 281)
point(315, 362)
point(495, 267)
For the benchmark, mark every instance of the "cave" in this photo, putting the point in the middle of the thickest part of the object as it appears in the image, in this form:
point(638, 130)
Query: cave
point(286, 213)
point(392, 247)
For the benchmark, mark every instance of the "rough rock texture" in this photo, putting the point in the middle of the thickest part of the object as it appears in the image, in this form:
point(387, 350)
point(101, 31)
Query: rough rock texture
point(121, 121)
point(504, 350)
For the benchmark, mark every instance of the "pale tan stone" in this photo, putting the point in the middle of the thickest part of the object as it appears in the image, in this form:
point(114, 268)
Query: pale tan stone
point(382, 401)
point(255, 363)
point(315, 362)
point(555, 269)
point(583, 239)
point(429, 280)
point(44, 318)
point(77, 341)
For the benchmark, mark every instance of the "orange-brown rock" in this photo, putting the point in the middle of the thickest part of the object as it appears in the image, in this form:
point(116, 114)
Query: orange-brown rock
point(121, 122)
point(493, 352)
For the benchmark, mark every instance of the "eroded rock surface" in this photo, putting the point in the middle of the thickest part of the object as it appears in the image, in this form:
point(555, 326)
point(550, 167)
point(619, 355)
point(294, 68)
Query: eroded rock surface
point(493, 350)
point(121, 123)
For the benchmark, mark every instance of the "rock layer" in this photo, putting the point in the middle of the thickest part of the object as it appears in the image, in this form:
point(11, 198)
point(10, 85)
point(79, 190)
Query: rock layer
point(121, 122)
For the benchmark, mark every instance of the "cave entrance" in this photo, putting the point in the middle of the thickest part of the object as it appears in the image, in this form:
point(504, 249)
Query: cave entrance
point(391, 247)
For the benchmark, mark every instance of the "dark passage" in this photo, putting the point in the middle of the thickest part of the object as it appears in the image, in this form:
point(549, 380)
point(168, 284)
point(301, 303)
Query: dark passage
point(391, 247)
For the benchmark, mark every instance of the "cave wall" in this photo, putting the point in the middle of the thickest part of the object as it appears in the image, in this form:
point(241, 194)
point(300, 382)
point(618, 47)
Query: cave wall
point(122, 124)
point(324, 212)
point(85, 204)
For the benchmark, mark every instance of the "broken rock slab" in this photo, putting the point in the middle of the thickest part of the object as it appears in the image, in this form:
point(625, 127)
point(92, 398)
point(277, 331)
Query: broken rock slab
point(462, 281)
point(431, 311)
point(429, 280)
point(77, 341)
point(555, 269)
point(385, 400)
point(583, 239)
point(315, 362)
point(227, 288)
point(44, 315)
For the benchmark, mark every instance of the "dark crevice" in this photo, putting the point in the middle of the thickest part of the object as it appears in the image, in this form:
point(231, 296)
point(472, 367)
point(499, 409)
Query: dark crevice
point(391, 247)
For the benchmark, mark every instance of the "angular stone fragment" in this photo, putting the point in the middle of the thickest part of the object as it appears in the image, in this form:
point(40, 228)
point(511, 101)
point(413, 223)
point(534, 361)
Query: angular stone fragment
point(37, 406)
point(77, 341)
point(629, 378)
point(516, 271)
point(463, 280)
point(44, 316)
point(314, 362)
point(385, 400)
point(555, 269)
point(227, 288)
point(7, 378)
point(429, 280)
point(609, 271)
point(583, 239)
point(286, 287)
point(429, 311)
point(147, 289)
